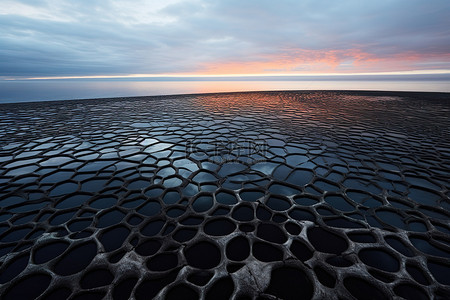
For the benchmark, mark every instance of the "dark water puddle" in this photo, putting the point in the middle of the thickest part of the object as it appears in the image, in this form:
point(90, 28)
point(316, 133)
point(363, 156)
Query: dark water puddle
point(49, 251)
point(203, 255)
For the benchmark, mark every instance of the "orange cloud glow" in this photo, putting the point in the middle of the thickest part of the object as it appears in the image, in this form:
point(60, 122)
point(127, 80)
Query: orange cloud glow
point(320, 61)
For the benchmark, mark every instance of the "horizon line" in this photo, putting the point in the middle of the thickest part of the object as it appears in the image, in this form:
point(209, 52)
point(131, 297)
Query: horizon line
point(165, 75)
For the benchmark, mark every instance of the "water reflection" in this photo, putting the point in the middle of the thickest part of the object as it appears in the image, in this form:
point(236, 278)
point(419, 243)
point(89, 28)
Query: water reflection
point(17, 91)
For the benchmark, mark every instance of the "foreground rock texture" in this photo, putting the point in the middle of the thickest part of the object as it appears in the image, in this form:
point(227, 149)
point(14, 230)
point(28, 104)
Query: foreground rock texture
point(291, 195)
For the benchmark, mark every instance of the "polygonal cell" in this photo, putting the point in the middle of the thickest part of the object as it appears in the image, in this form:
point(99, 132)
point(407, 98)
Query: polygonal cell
point(78, 225)
point(417, 226)
point(263, 214)
point(305, 200)
point(123, 289)
point(278, 203)
point(175, 212)
point(28, 288)
point(379, 259)
point(94, 185)
point(243, 213)
point(436, 213)
point(113, 238)
point(339, 203)
point(184, 234)
point(341, 222)
point(133, 203)
point(57, 177)
point(24, 219)
point(281, 189)
point(81, 235)
point(103, 202)
point(221, 211)
point(440, 271)
point(271, 233)
point(238, 249)
point(154, 192)
point(202, 203)
point(398, 245)
point(326, 185)
point(423, 196)
point(221, 289)
point(246, 227)
point(150, 288)
point(359, 197)
point(192, 221)
point(218, 227)
point(60, 218)
point(391, 218)
point(73, 201)
point(90, 296)
point(382, 276)
point(362, 237)
point(231, 168)
point(96, 278)
point(251, 195)
point(339, 261)
point(163, 262)
point(200, 278)
point(203, 176)
point(148, 248)
point(134, 220)
point(234, 267)
point(302, 215)
point(326, 241)
point(300, 250)
point(116, 257)
point(171, 197)
point(49, 251)
point(181, 291)
point(266, 252)
point(423, 244)
point(203, 255)
point(13, 268)
point(151, 208)
point(281, 172)
point(152, 228)
point(362, 290)
point(168, 229)
point(290, 283)
point(417, 273)
point(293, 228)
point(76, 259)
point(110, 218)
point(14, 234)
point(225, 198)
point(60, 293)
point(325, 277)
point(408, 291)
point(300, 177)
point(63, 188)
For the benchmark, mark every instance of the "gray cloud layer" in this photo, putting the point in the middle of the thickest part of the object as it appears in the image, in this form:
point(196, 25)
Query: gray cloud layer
point(62, 37)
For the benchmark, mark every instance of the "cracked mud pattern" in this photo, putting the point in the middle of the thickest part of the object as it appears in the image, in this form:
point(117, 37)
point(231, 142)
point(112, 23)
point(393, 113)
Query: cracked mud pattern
point(291, 195)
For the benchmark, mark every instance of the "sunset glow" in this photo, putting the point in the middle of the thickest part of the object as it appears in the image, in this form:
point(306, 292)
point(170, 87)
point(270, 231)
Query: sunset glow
point(180, 38)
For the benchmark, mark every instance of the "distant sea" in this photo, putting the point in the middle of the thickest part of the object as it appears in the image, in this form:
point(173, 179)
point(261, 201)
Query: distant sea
point(42, 90)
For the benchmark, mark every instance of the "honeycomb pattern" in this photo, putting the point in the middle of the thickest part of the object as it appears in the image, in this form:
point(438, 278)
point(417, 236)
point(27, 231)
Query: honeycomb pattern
point(291, 195)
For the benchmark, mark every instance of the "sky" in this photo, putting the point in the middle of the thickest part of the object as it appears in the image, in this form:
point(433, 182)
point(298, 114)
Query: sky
point(101, 38)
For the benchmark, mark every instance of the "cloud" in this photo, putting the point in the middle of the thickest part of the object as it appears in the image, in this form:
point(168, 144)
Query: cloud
point(61, 37)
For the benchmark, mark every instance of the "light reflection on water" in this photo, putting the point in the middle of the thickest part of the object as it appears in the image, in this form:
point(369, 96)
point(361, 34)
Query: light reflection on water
point(21, 91)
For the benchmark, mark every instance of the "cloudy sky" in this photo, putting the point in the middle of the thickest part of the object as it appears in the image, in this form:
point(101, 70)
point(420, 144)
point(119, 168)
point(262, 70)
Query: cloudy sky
point(46, 38)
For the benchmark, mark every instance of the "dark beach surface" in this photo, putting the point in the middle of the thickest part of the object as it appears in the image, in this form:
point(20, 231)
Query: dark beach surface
point(295, 195)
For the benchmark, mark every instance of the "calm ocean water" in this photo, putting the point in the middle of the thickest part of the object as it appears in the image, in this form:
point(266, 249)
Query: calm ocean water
point(41, 90)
